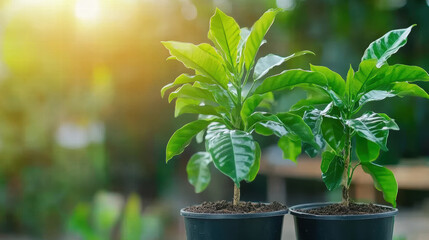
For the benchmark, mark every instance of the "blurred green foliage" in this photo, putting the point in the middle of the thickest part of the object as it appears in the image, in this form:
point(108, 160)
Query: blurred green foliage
point(107, 216)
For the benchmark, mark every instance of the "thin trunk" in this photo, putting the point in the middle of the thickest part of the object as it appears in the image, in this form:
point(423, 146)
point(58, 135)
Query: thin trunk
point(346, 173)
point(236, 199)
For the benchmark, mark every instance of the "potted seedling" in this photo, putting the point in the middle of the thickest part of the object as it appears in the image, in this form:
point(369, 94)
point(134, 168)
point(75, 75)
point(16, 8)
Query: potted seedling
point(341, 123)
point(222, 94)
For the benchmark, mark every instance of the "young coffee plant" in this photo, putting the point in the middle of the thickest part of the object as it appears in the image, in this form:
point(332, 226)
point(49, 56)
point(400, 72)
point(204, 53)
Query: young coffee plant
point(222, 93)
point(341, 120)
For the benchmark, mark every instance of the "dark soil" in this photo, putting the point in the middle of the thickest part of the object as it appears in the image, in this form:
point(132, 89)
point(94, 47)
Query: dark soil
point(352, 209)
point(225, 207)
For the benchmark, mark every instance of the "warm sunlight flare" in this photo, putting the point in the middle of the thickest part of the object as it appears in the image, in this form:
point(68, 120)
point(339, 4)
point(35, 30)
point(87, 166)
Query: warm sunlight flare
point(87, 10)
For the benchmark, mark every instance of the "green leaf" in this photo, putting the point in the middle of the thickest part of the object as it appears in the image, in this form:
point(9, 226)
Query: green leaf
point(131, 227)
point(402, 89)
point(183, 136)
point(211, 50)
point(290, 78)
point(384, 181)
point(255, 167)
point(187, 105)
point(257, 117)
point(269, 128)
point(374, 95)
point(219, 94)
point(351, 88)
point(213, 129)
point(265, 64)
point(396, 73)
point(315, 96)
point(366, 150)
point(335, 81)
point(332, 167)
point(250, 105)
point(374, 127)
point(198, 171)
point(191, 92)
point(233, 153)
point(244, 34)
point(369, 77)
point(294, 124)
point(384, 47)
point(333, 133)
point(257, 34)
point(184, 78)
point(291, 148)
point(198, 59)
point(314, 118)
point(225, 33)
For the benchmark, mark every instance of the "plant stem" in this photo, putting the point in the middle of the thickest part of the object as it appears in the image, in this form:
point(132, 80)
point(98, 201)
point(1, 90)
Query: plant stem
point(346, 173)
point(236, 198)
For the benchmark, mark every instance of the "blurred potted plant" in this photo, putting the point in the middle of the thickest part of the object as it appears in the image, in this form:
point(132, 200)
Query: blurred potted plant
point(222, 93)
point(340, 122)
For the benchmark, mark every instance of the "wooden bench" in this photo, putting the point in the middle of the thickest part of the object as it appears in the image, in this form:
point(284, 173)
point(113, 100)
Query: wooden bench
point(413, 176)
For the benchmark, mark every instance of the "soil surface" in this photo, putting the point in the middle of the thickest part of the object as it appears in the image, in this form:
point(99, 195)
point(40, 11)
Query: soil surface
point(353, 209)
point(225, 207)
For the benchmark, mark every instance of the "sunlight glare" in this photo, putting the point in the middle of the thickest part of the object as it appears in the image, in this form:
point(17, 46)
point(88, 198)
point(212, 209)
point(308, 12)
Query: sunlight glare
point(87, 10)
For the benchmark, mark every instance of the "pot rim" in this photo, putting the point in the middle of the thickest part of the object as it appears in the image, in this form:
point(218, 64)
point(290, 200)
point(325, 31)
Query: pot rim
point(188, 214)
point(294, 211)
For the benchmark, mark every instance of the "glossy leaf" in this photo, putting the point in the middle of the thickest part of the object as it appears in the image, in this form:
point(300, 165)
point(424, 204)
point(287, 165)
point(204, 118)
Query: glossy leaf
point(198, 171)
point(225, 33)
point(290, 78)
point(257, 117)
point(333, 132)
point(291, 148)
point(182, 79)
point(384, 181)
point(384, 47)
point(213, 129)
point(271, 127)
point(397, 73)
point(313, 119)
point(402, 89)
point(191, 92)
point(351, 85)
point(369, 77)
point(366, 150)
point(184, 105)
point(294, 124)
point(183, 136)
point(256, 165)
point(374, 127)
point(257, 34)
point(196, 58)
point(244, 34)
point(315, 96)
point(233, 153)
point(334, 80)
point(375, 95)
point(332, 170)
point(250, 105)
point(219, 94)
point(265, 64)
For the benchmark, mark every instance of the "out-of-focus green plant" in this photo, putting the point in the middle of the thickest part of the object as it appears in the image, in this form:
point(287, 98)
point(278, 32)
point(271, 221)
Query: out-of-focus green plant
point(109, 213)
point(223, 93)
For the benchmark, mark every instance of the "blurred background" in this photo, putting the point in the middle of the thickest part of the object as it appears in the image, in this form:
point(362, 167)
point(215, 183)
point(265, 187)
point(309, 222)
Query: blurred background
point(83, 128)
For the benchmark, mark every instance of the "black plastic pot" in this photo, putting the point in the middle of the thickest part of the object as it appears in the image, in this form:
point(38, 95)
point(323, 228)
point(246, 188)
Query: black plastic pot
point(247, 226)
point(377, 226)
